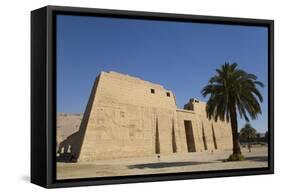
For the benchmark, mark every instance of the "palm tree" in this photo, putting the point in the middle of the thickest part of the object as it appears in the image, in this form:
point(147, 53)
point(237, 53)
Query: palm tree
point(249, 133)
point(232, 91)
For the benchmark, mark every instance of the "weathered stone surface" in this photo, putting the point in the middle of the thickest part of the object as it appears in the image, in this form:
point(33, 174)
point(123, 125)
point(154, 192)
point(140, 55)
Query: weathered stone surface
point(130, 117)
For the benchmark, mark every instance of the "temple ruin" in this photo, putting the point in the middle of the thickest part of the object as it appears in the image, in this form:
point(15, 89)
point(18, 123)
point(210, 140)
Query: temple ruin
point(129, 117)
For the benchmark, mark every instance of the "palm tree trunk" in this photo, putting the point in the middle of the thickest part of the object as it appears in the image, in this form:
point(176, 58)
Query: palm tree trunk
point(234, 127)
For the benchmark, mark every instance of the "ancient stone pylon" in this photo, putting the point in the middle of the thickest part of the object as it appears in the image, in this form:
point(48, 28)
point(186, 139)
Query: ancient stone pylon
point(129, 117)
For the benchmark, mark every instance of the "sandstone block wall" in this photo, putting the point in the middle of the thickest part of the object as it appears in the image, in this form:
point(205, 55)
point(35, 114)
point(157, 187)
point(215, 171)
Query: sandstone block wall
point(208, 134)
point(122, 121)
point(130, 117)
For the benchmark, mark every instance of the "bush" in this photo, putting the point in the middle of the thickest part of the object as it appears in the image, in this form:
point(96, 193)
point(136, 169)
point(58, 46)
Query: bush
point(236, 157)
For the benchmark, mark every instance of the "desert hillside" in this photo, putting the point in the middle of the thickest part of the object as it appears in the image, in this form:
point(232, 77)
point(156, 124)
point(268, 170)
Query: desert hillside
point(67, 124)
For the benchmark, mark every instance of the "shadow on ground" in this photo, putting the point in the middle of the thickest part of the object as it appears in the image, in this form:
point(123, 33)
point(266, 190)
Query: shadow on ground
point(177, 164)
point(165, 164)
point(250, 158)
point(258, 158)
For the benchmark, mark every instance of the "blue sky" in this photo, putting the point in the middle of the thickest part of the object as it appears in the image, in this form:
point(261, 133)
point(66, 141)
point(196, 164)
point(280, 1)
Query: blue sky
point(180, 56)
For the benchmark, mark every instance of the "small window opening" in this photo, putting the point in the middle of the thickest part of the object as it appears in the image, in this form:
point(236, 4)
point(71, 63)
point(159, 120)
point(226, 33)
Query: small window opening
point(152, 91)
point(168, 94)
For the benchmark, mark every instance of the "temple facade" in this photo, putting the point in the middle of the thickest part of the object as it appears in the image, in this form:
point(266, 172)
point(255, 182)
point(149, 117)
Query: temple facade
point(129, 117)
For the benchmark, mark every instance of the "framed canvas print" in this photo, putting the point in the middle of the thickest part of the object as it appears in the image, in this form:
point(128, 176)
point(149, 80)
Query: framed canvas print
point(126, 96)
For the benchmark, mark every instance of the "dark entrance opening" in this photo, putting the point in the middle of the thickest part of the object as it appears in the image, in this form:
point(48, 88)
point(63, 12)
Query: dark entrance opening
point(157, 140)
point(189, 136)
point(204, 138)
point(174, 145)
point(214, 137)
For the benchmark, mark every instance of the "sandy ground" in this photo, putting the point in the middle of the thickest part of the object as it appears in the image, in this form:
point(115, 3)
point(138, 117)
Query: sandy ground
point(188, 162)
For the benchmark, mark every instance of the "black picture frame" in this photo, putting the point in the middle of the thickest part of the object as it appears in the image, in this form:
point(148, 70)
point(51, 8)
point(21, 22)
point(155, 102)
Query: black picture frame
point(43, 95)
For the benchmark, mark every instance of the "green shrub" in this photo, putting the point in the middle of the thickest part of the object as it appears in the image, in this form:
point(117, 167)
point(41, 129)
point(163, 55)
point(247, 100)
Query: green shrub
point(236, 157)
